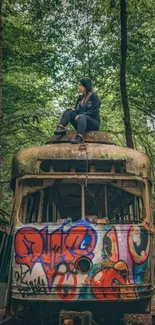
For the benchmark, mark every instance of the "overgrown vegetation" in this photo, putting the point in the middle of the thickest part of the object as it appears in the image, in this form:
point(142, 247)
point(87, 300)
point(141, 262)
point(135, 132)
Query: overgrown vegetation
point(48, 45)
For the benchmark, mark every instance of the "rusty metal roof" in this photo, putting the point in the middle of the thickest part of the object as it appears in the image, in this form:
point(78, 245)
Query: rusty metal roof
point(89, 137)
point(27, 161)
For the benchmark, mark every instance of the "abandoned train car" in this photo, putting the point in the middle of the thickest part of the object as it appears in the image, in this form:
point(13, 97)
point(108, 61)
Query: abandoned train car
point(83, 226)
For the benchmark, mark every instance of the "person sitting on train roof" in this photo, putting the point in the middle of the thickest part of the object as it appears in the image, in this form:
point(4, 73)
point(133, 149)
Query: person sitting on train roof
point(85, 115)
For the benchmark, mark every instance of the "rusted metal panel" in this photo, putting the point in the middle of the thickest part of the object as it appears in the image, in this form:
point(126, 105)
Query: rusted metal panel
point(81, 177)
point(73, 317)
point(89, 137)
point(27, 161)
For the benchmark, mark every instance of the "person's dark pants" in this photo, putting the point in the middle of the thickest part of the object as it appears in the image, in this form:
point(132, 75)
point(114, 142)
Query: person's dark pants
point(83, 124)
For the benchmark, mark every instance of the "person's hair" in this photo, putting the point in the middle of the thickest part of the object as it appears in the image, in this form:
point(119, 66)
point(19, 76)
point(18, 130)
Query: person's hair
point(87, 84)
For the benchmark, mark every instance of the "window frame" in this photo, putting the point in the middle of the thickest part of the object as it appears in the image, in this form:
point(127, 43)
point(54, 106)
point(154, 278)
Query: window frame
point(48, 182)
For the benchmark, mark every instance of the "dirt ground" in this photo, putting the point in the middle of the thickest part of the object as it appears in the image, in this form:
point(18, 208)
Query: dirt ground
point(137, 320)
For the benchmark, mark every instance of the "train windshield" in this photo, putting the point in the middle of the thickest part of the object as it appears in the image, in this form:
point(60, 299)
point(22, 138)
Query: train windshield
point(118, 201)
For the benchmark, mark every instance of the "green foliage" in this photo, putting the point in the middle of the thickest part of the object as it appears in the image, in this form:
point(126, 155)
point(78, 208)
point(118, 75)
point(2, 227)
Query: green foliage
point(49, 45)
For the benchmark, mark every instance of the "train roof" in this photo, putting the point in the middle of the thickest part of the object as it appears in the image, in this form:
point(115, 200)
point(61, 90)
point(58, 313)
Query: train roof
point(97, 147)
point(89, 137)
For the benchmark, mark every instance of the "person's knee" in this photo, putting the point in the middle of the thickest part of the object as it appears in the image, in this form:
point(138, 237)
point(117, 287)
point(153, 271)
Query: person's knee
point(82, 117)
point(72, 113)
point(67, 112)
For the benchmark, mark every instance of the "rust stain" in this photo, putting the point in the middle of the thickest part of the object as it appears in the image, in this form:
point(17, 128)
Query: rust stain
point(92, 136)
point(27, 161)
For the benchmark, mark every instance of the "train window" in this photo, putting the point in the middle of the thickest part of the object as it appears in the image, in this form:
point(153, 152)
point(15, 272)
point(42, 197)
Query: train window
point(69, 201)
point(63, 200)
point(60, 201)
point(30, 208)
point(105, 200)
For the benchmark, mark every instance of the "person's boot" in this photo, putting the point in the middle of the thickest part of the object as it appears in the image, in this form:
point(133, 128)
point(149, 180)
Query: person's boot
point(78, 139)
point(60, 130)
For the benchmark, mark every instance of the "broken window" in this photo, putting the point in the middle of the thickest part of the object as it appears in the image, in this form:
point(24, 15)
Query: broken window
point(107, 201)
point(59, 201)
point(120, 202)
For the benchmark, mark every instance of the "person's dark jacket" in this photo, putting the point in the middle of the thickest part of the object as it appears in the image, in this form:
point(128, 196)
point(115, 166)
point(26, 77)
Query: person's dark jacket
point(89, 107)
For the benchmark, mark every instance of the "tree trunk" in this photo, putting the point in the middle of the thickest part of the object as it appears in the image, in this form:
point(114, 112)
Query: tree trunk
point(1, 60)
point(124, 96)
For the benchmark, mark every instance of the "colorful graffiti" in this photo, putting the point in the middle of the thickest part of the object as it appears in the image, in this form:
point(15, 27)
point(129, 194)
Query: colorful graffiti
point(139, 244)
point(108, 283)
point(105, 284)
point(130, 244)
point(124, 267)
point(52, 250)
point(119, 256)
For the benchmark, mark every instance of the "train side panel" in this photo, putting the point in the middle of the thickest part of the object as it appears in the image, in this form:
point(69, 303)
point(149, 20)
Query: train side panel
point(82, 261)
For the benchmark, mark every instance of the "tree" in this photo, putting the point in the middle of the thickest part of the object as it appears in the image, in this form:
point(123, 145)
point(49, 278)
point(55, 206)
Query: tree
point(49, 45)
point(123, 87)
point(1, 59)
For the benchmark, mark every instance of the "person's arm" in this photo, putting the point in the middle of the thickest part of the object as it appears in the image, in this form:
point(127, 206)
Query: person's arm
point(73, 108)
point(77, 102)
point(93, 105)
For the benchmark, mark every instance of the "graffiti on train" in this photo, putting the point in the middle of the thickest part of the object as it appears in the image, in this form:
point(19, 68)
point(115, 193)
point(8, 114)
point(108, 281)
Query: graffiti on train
point(53, 249)
point(25, 287)
point(119, 255)
point(124, 265)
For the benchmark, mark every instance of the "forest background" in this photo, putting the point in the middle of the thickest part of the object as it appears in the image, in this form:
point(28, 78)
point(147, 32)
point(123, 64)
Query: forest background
point(47, 45)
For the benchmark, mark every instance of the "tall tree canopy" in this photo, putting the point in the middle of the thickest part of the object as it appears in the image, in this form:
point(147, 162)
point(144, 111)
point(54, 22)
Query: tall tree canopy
point(49, 44)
